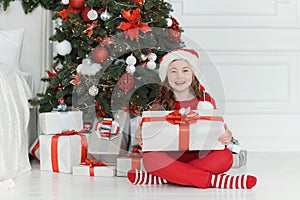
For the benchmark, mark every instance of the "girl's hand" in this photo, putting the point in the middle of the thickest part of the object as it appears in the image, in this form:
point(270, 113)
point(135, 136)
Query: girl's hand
point(227, 137)
point(138, 136)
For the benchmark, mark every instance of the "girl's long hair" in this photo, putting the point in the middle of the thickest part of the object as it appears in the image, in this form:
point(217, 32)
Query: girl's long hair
point(165, 98)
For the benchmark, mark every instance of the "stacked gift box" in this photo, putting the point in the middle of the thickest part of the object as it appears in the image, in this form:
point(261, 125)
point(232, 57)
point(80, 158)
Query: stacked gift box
point(64, 147)
point(61, 146)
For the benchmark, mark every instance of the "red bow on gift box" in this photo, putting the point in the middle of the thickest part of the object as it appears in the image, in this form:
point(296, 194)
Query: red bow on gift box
point(92, 165)
point(183, 121)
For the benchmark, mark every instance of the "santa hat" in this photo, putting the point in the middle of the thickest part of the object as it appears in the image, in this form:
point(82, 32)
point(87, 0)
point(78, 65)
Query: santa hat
point(191, 56)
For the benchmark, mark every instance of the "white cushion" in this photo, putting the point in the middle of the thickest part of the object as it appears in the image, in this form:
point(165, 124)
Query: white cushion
point(10, 47)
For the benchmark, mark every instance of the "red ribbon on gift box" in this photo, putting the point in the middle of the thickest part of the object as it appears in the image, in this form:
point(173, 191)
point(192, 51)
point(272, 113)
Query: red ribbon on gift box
point(92, 165)
point(54, 148)
point(184, 122)
point(34, 149)
point(135, 155)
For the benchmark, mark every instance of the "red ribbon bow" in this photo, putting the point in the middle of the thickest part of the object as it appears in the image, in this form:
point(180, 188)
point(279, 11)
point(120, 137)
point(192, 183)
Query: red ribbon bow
point(134, 24)
point(177, 118)
point(92, 165)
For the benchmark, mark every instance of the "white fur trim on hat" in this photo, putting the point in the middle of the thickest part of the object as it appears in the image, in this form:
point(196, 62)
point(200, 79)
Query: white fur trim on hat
point(186, 54)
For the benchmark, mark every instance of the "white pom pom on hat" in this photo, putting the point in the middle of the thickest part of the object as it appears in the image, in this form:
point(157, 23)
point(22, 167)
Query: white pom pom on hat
point(181, 53)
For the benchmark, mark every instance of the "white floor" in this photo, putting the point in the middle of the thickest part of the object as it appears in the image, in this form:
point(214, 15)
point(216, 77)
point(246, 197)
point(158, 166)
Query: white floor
point(278, 178)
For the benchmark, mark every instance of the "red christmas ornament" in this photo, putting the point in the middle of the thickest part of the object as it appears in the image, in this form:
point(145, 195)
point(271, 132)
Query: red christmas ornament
point(174, 31)
point(138, 2)
point(84, 14)
point(77, 3)
point(126, 82)
point(99, 54)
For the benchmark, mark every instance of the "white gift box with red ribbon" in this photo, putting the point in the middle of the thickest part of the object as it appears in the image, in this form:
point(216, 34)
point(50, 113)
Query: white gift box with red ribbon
point(92, 168)
point(172, 131)
point(59, 153)
point(132, 160)
point(57, 122)
point(107, 129)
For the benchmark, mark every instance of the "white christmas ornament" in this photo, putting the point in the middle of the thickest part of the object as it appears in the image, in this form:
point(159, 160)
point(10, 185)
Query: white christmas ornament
point(93, 91)
point(105, 15)
point(151, 65)
point(144, 57)
point(92, 14)
point(88, 68)
point(169, 22)
point(130, 60)
point(57, 22)
point(130, 69)
point(63, 48)
point(65, 2)
point(152, 56)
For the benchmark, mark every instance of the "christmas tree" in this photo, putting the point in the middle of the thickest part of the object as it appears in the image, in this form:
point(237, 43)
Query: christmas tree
point(107, 55)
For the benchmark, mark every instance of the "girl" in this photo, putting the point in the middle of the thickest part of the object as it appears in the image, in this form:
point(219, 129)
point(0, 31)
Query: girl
point(180, 89)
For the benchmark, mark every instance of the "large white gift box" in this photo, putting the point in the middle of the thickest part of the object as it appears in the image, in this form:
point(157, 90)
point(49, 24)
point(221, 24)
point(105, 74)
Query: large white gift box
point(94, 170)
point(57, 122)
point(61, 153)
point(172, 131)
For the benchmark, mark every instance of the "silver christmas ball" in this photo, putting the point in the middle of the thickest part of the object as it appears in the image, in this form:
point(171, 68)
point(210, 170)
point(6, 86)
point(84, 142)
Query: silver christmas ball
point(105, 15)
point(151, 65)
point(93, 91)
point(130, 60)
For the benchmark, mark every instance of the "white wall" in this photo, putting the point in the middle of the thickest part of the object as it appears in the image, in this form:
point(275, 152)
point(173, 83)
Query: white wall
point(255, 46)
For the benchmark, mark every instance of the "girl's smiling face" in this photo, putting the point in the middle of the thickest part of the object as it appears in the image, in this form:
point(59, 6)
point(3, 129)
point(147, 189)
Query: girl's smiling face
point(180, 76)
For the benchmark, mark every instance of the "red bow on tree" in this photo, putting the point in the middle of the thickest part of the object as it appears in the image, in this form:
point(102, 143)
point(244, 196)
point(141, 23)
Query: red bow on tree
point(52, 74)
point(64, 13)
point(134, 24)
point(99, 110)
point(90, 28)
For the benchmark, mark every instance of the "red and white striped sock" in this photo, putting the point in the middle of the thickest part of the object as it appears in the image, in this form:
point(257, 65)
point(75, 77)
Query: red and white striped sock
point(141, 177)
point(233, 182)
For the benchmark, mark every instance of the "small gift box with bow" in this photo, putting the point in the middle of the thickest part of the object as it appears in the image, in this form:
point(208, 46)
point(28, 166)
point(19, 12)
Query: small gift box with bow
point(132, 160)
point(93, 168)
point(107, 129)
point(182, 130)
